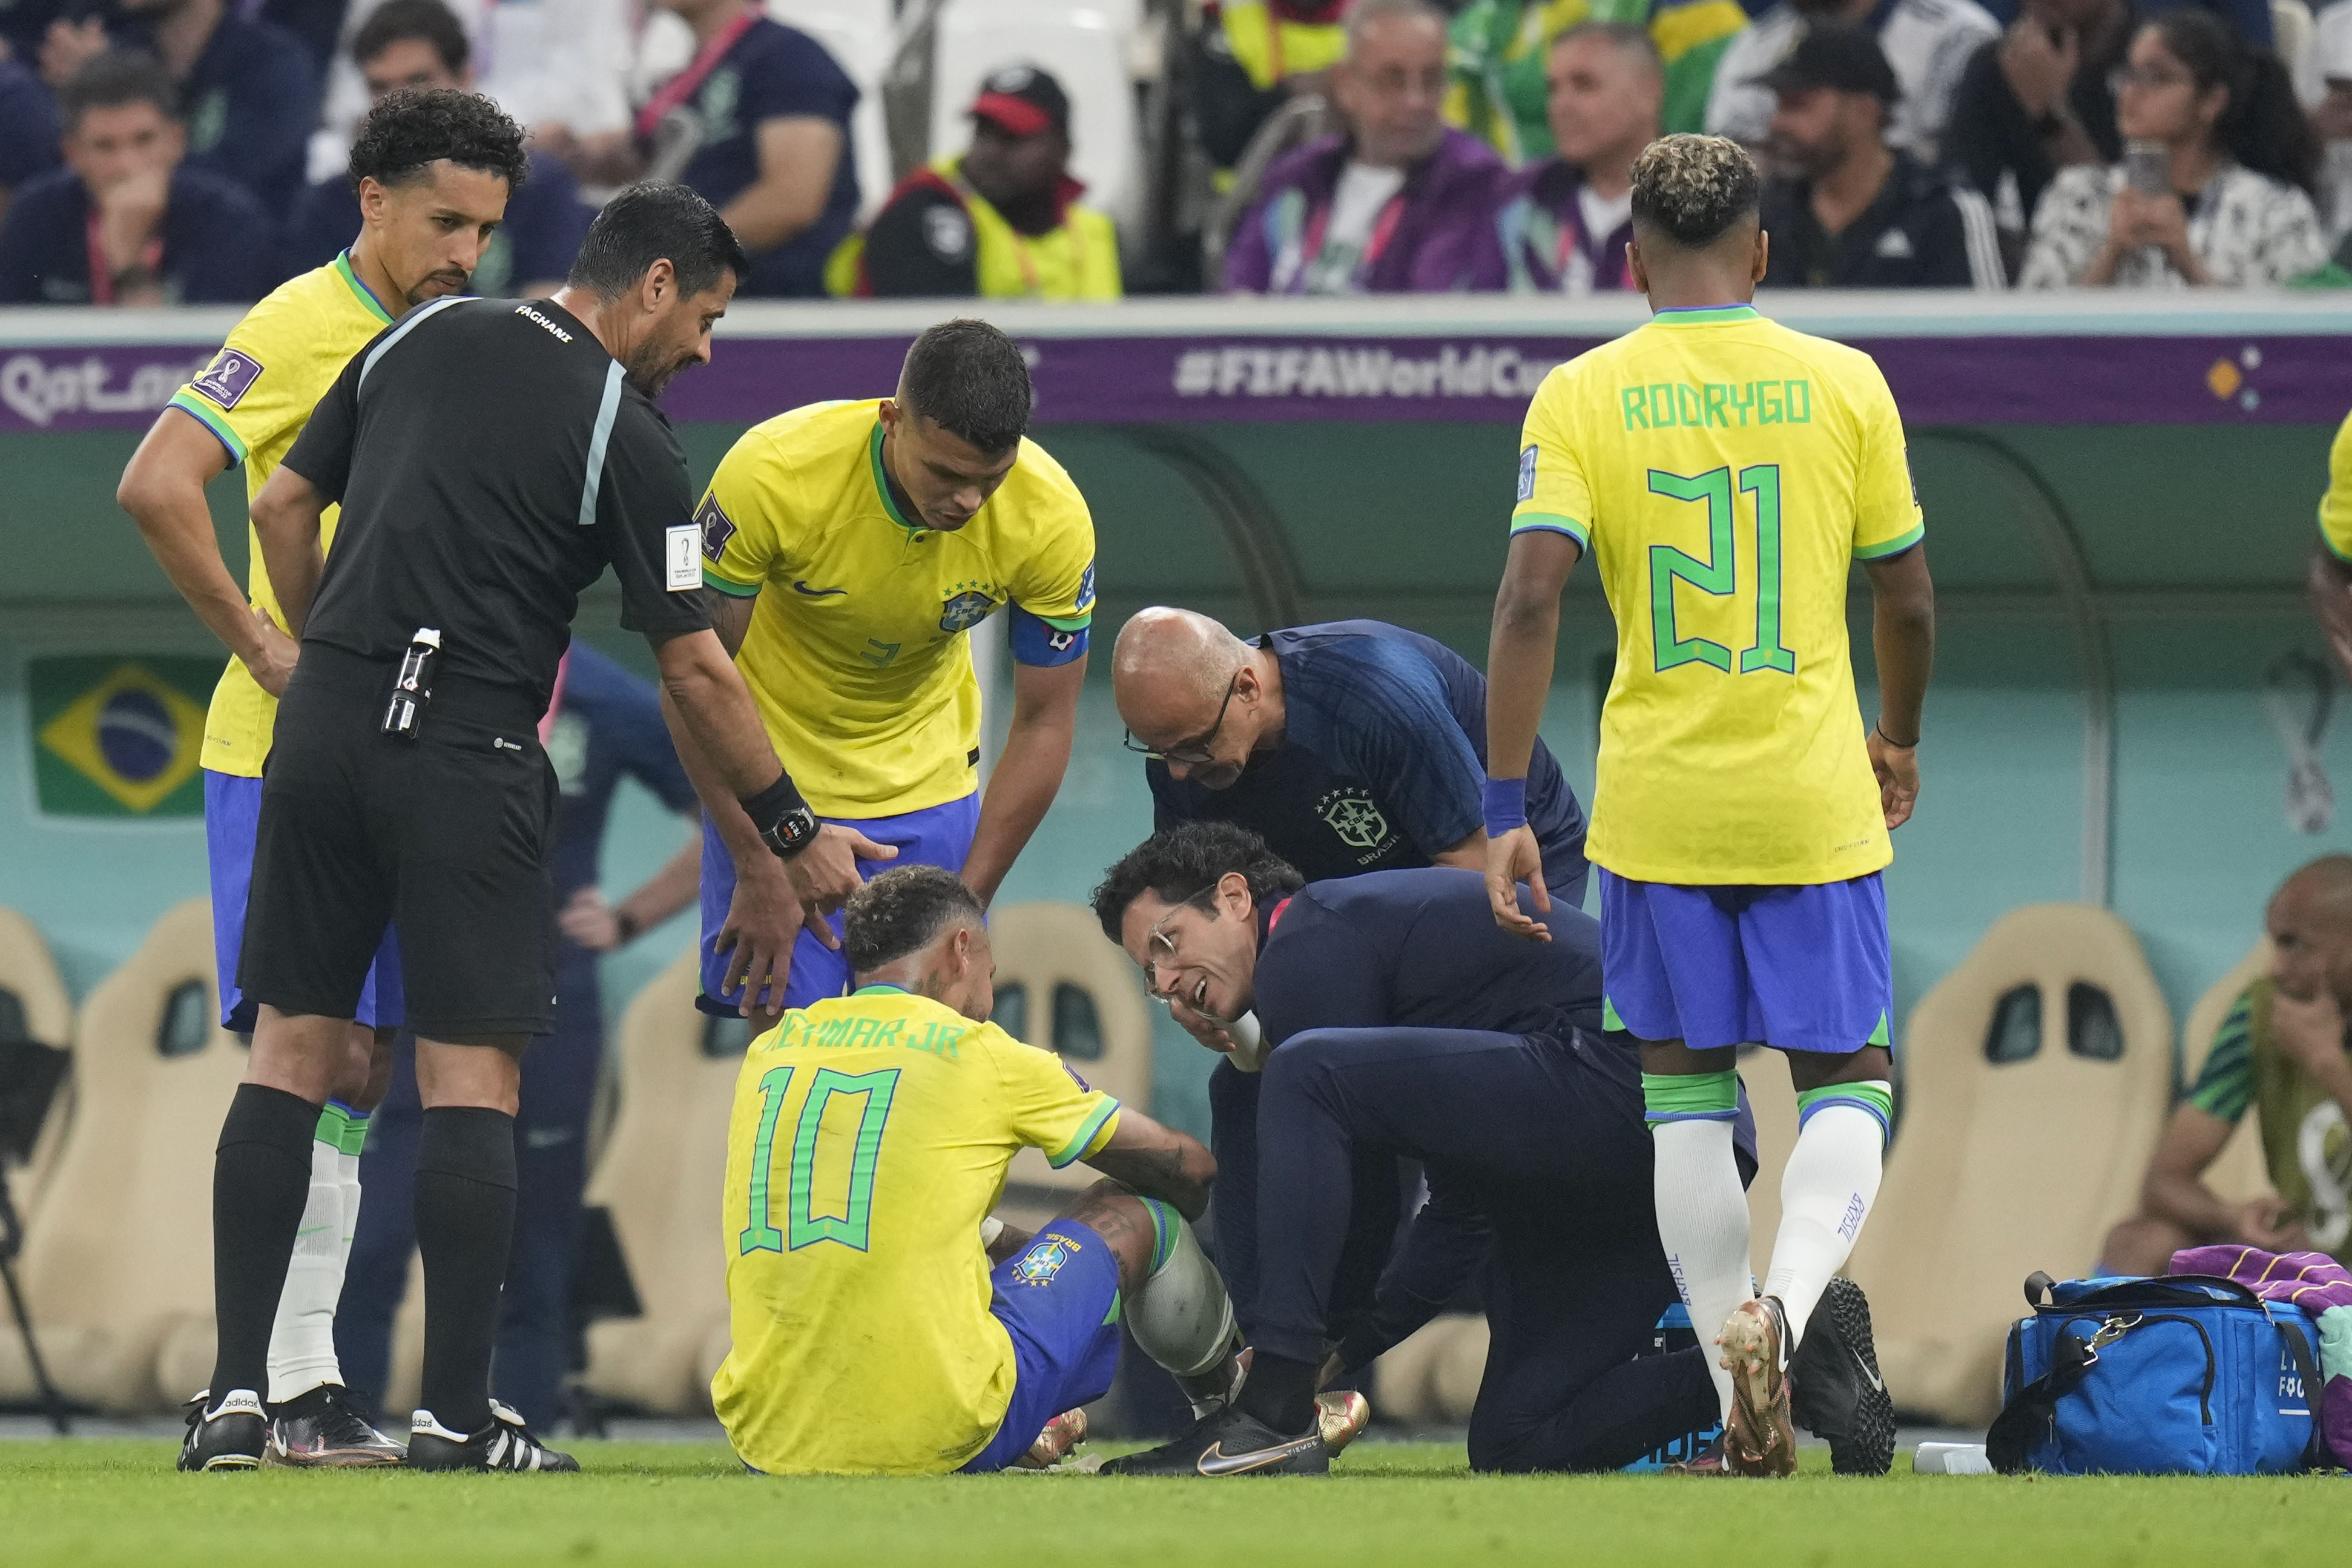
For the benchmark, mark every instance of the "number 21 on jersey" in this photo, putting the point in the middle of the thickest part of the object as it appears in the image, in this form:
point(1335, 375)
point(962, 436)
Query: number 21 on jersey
point(1719, 574)
point(803, 1226)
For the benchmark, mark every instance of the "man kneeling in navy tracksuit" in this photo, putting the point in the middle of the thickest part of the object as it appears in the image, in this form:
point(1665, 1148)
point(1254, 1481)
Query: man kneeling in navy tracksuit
point(1398, 1025)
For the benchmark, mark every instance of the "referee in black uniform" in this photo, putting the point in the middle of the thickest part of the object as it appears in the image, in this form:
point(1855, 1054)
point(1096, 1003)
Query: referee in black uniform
point(492, 458)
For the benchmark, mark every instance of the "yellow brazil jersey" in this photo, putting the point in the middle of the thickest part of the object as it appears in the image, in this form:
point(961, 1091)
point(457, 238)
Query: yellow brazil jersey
point(869, 1139)
point(256, 396)
point(856, 651)
point(2336, 506)
point(1724, 472)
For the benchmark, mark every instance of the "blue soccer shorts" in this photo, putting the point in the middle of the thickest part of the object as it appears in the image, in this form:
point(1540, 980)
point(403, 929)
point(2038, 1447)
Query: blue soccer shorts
point(1058, 1299)
point(936, 836)
point(232, 812)
point(1797, 968)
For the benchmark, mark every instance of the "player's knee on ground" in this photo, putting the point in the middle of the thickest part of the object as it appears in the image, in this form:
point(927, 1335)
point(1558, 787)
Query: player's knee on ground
point(2142, 1245)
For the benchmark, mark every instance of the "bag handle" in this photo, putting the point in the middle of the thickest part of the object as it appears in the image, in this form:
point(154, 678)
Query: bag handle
point(2024, 1419)
point(2316, 1454)
point(2166, 1289)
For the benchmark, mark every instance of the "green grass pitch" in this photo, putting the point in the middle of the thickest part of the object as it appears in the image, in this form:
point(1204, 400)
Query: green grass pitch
point(100, 1502)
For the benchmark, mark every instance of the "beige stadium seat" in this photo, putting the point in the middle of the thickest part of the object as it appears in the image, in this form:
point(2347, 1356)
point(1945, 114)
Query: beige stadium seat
point(2036, 1075)
point(32, 999)
point(662, 1178)
point(1431, 1377)
point(122, 1256)
point(1063, 986)
point(1774, 1101)
point(2237, 1175)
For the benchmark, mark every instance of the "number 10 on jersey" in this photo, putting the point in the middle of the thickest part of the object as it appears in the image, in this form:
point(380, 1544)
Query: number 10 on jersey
point(1719, 574)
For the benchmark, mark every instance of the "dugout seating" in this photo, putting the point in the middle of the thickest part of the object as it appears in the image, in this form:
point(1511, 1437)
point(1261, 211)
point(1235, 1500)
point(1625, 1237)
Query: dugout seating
point(2035, 1076)
point(661, 1179)
point(35, 1011)
point(1086, 47)
point(122, 1257)
point(2237, 1175)
point(1062, 986)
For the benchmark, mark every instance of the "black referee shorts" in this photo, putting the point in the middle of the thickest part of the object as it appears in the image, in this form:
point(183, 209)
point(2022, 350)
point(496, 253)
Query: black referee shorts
point(445, 836)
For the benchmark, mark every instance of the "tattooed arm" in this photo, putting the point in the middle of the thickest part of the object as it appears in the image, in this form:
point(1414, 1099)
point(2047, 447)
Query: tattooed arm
point(1158, 1163)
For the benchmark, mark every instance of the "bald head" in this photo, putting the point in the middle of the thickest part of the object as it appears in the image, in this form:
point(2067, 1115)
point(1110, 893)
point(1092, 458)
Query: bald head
point(2310, 924)
point(1190, 690)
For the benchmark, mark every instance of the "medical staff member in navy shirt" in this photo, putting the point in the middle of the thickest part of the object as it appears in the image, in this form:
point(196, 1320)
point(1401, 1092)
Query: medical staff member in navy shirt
point(758, 123)
point(127, 221)
point(420, 44)
point(1392, 1032)
point(608, 726)
point(249, 89)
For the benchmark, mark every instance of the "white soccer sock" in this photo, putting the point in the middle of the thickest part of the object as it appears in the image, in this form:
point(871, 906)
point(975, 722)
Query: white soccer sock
point(302, 1339)
point(1825, 1194)
point(1703, 1224)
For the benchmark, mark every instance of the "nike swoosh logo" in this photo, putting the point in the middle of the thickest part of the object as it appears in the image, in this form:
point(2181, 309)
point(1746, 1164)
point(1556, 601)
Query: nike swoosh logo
point(1875, 1381)
point(800, 585)
point(1217, 1462)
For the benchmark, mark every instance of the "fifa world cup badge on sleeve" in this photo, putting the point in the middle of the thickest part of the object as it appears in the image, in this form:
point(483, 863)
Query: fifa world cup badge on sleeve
point(229, 378)
point(1528, 472)
point(717, 526)
point(1045, 1259)
point(685, 571)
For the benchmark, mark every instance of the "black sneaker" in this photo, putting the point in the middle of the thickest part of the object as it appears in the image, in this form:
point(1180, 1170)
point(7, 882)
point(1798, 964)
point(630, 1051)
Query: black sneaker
point(1231, 1443)
point(322, 1429)
point(230, 1435)
point(506, 1444)
point(1834, 1389)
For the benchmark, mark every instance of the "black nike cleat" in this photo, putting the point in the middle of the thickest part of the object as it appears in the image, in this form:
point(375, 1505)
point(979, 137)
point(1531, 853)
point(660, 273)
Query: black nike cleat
point(321, 1430)
point(1231, 1443)
point(230, 1435)
point(506, 1444)
point(1835, 1390)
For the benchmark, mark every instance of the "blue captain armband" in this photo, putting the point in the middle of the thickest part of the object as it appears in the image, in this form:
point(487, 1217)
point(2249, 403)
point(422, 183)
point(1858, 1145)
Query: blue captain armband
point(1044, 642)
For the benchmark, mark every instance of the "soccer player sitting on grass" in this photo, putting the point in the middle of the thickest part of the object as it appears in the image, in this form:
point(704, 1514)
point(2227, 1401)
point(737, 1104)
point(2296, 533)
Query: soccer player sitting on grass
point(1726, 473)
point(869, 1140)
point(1404, 1023)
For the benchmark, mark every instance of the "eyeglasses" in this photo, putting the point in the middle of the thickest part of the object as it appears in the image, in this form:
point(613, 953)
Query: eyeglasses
point(1191, 753)
point(2124, 77)
point(1160, 944)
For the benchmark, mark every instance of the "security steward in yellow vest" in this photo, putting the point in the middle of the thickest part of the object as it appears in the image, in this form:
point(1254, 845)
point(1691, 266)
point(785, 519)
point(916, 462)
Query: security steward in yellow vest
point(1002, 222)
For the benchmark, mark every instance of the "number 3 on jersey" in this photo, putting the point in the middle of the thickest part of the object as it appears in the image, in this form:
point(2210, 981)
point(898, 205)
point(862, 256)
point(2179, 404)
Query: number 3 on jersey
point(803, 1226)
point(1718, 573)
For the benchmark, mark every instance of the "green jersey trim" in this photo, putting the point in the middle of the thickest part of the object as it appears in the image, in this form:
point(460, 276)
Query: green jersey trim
point(343, 270)
point(2339, 554)
point(1552, 522)
point(882, 482)
point(1703, 315)
point(1896, 546)
point(1062, 623)
point(733, 590)
point(2225, 1084)
point(880, 986)
point(1082, 1142)
point(195, 409)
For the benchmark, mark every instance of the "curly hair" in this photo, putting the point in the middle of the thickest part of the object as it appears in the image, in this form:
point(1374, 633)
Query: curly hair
point(413, 128)
point(1186, 860)
point(903, 911)
point(968, 379)
point(1693, 189)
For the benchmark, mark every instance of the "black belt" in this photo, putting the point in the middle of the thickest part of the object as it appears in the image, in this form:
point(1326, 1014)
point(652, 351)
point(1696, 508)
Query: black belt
point(347, 674)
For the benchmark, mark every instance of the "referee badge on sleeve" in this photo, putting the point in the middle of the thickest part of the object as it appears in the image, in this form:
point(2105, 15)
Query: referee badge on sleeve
point(1528, 472)
point(683, 548)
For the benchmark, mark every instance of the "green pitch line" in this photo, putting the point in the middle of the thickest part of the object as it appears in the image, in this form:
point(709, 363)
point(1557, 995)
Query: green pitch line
point(93, 1504)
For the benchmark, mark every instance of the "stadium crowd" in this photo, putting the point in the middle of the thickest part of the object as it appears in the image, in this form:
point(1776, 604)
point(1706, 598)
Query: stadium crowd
point(194, 151)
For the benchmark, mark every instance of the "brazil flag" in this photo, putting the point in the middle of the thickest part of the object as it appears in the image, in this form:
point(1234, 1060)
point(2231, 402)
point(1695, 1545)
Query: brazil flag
point(120, 737)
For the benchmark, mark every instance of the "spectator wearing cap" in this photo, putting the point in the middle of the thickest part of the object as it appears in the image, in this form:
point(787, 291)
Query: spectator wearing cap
point(1857, 213)
point(248, 89)
point(421, 43)
point(1927, 42)
point(2036, 100)
point(1002, 221)
point(2215, 189)
point(1253, 56)
point(1562, 226)
point(127, 221)
point(758, 122)
point(1398, 203)
point(28, 129)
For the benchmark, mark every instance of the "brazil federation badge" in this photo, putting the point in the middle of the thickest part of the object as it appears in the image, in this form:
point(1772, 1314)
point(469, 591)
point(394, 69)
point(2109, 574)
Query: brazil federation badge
point(965, 608)
point(1045, 1259)
point(119, 736)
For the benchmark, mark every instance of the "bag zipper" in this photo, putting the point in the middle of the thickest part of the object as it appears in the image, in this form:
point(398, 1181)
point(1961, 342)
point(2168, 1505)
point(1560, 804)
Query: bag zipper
point(2204, 1393)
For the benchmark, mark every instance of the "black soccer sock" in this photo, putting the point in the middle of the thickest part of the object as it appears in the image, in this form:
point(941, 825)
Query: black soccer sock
point(261, 1180)
point(464, 1220)
point(1280, 1392)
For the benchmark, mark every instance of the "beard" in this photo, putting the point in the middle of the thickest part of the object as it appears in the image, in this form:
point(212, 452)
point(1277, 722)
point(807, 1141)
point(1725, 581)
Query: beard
point(649, 370)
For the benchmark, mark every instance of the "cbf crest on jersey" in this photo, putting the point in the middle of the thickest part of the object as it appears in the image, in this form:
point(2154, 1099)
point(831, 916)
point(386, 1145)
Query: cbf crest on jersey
point(1045, 1259)
point(117, 737)
point(966, 607)
point(1353, 815)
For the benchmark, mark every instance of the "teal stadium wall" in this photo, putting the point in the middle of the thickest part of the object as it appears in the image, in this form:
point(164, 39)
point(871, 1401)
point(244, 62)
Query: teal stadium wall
point(2169, 556)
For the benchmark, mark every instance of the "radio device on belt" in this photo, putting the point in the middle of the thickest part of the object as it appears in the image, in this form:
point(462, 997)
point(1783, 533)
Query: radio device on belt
point(413, 689)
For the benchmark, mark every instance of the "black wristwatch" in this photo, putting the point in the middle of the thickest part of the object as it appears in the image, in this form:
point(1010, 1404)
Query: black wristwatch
point(790, 834)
